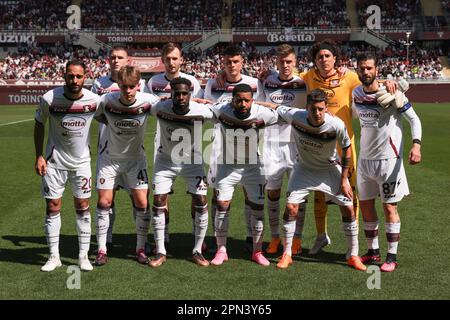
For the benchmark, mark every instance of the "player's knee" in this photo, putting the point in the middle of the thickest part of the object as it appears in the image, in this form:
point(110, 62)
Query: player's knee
point(223, 206)
point(273, 195)
point(199, 200)
point(348, 213)
point(104, 203)
point(390, 211)
point(53, 206)
point(160, 200)
point(291, 211)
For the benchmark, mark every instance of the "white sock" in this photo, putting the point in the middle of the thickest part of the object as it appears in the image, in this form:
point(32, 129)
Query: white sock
point(274, 217)
point(112, 218)
point(248, 216)
point(288, 234)
point(393, 236)
point(159, 223)
point(257, 223)
point(101, 226)
point(300, 223)
point(351, 233)
point(84, 231)
point(142, 224)
point(221, 232)
point(52, 228)
point(201, 225)
point(371, 232)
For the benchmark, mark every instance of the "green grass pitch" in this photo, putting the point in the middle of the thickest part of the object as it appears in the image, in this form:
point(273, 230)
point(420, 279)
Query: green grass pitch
point(423, 250)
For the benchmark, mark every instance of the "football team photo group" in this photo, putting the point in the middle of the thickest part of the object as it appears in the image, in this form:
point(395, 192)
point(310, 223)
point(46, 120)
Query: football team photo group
point(227, 150)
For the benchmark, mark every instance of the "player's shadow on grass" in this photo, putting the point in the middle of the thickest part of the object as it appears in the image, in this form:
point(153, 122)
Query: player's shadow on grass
point(25, 250)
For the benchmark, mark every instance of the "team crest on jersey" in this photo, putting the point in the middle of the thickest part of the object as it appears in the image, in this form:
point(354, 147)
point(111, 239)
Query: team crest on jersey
point(334, 83)
point(73, 123)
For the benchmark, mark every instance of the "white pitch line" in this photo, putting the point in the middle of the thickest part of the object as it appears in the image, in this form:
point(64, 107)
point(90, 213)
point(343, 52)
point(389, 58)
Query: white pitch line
point(6, 124)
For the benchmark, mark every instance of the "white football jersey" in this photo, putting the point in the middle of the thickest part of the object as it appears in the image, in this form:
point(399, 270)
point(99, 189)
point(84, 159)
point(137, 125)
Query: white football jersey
point(159, 85)
point(290, 93)
point(381, 129)
point(241, 137)
point(218, 94)
point(316, 145)
point(102, 86)
point(126, 124)
point(105, 84)
point(69, 122)
point(175, 129)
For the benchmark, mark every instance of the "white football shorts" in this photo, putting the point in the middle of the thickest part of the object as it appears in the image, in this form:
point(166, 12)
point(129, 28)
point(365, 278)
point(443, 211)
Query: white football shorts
point(279, 158)
point(130, 174)
point(54, 182)
point(384, 178)
point(304, 179)
point(165, 172)
point(250, 176)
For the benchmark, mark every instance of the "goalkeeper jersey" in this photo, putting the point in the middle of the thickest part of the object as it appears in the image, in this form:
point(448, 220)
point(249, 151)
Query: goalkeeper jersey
point(339, 91)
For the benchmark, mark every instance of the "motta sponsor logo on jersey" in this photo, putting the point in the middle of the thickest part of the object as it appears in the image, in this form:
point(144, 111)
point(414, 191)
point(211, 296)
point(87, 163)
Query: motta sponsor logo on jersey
point(311, 143)
point(296, 37)
point(285, 97)
point(369, 115)
point(127, 123)
point(73, 123)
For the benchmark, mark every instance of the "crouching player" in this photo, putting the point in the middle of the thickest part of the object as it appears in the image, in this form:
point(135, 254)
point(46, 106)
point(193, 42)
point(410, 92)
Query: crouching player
point(316, 133)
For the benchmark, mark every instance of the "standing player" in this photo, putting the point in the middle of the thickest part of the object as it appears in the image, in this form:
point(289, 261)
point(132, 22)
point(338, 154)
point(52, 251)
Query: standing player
point(126, 114)
point(180, 154)
point(172, 58)
point(219, 91)
point(107, 84)
point(282, 88)
point(316, 134)
point(240, 123)
point(69, 110)
point(380, 164)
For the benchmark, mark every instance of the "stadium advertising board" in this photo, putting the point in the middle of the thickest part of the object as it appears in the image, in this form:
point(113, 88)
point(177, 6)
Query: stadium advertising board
point(277, 38)
point(16, 38)
point(148, 38)
point(147, 64)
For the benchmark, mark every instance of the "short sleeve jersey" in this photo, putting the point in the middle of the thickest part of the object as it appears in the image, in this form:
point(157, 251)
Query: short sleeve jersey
point(316, 145)
point(69, 122)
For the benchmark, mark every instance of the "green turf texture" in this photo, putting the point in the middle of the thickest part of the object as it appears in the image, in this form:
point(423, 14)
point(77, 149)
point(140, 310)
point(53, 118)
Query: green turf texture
point(423, 249)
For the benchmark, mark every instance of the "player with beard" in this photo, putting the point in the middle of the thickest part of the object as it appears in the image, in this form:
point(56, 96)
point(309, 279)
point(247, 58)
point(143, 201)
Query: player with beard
point(69, 111)
point(159, 84)
point(380, 164)
point(180, 154)
point(240, 122)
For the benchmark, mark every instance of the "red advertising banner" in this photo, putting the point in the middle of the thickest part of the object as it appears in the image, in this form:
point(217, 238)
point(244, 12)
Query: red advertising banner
point(21, 95)
point(147, 64)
